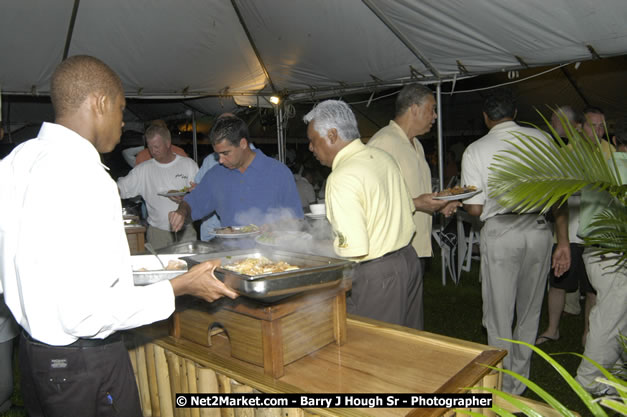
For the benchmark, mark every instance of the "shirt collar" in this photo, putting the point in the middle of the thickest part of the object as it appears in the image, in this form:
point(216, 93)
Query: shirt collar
point(347, 151)
point(510, 124)
point(257, 163)
point(56, 132)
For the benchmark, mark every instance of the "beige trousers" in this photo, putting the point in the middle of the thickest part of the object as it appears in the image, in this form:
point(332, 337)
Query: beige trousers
point(608, 319)
point(515, 261)
point(160, 238)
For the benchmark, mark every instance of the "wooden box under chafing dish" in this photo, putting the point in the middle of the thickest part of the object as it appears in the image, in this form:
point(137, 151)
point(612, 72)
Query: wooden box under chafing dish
point(307, 310)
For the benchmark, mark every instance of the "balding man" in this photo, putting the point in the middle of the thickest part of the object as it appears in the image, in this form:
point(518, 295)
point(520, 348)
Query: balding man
point(164, 172)
point(415, 114)
point(66, 272)
point(515, 248)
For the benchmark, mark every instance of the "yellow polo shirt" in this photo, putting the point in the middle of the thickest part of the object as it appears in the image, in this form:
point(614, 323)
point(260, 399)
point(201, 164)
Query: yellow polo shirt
point(416, 173)
point(368, 204)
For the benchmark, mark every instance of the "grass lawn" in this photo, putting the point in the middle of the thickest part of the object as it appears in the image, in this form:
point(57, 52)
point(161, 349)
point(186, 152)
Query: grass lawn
point(456, 311)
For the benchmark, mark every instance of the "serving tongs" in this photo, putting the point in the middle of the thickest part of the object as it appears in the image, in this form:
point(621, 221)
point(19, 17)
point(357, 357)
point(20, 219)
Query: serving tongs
point(154, 252)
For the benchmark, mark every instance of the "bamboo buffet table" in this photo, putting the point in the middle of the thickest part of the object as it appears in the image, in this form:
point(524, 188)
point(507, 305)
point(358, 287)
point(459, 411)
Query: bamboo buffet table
point(376, 358)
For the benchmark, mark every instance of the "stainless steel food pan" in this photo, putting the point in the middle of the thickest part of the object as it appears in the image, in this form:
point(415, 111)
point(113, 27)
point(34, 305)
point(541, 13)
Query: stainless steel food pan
point(193, 247)
point(315, 272)
point(153, 270)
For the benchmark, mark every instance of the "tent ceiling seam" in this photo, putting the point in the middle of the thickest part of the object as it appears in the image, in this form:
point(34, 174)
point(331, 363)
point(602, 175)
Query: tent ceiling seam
point(252, 44)
point(70, 29)
point(377, 12)
point(574, 85)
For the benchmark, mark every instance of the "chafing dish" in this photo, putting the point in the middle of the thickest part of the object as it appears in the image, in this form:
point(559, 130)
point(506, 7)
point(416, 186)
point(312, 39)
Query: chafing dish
point(314, 272)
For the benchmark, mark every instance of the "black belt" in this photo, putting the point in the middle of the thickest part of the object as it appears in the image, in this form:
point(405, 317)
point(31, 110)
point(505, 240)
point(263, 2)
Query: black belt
point(80, 342)
point(541, 218)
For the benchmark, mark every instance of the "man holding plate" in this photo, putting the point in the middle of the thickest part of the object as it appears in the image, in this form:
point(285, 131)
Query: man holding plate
point(247, 187)
point(515, 248)
point(161, 181)
point(369, 208)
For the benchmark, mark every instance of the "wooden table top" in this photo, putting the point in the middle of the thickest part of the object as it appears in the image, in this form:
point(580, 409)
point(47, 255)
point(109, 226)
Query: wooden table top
point(377, 358)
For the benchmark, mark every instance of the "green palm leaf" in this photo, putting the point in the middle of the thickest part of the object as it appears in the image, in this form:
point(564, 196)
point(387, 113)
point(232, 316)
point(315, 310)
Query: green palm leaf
point(617, 406)
point(536, 174)
point(582, 393)
point(542, 393)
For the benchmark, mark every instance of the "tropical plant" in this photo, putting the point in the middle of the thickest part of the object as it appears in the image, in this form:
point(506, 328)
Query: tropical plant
point(538, 174)
point(596, 406)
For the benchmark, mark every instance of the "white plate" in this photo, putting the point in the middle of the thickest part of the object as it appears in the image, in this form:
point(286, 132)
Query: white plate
point(462, 196)
point(151, 264)
point(173, 193)
point(283, 239)
point(316, 216)
point(234, 235)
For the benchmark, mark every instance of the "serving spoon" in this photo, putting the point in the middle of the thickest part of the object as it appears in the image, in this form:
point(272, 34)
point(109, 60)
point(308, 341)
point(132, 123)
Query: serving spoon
point(154, 252)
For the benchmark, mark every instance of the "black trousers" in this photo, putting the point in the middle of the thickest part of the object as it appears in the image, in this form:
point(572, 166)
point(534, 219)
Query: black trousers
point(76, 381)
point(389, 289)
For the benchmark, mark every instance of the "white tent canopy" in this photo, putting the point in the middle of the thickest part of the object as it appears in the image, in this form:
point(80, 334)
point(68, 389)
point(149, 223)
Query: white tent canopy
point(298, 48)
point(247, 50)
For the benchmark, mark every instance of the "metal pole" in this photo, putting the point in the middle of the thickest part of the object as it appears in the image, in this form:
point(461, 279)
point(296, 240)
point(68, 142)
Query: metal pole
point(440, 169)
point(280, 131)
point(194, 137)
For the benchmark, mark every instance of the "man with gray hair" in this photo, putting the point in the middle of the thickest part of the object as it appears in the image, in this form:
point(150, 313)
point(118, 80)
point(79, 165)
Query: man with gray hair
point(369, 209)
point(415, 114)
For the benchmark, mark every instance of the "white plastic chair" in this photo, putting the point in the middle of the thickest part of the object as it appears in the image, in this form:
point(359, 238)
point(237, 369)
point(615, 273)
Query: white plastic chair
point(465, 242)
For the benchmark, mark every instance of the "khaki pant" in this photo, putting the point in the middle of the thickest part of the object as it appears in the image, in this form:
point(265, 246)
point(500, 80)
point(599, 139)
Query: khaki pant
point(515, 261)
point(608, 318)
point(160, 238)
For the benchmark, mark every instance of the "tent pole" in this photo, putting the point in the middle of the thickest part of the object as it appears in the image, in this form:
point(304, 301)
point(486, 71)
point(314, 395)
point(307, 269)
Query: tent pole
point(280, 131)
point(194, 137)
point(440, 170)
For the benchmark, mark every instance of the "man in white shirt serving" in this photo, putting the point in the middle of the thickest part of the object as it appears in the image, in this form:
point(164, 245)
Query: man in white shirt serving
point(66, 273)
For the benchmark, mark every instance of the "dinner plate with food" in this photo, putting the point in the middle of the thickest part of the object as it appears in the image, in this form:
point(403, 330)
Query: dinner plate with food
point(235, 232)
point(457, 193)
point(175, 193)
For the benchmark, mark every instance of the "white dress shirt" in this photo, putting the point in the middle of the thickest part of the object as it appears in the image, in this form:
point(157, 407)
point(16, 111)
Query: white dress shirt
point(64, 257)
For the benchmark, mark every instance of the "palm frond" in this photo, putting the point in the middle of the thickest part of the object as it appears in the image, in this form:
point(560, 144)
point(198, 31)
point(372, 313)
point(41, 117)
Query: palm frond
point(620, 408)
point(608, 233)
point(520, 405)
point(536, 174)
point(576, 387)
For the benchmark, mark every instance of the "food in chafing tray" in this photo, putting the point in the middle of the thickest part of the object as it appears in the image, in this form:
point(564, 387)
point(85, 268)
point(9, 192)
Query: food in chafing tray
point(457, 190)
point(259, 266)
point(173, 265)
point(237, 229)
